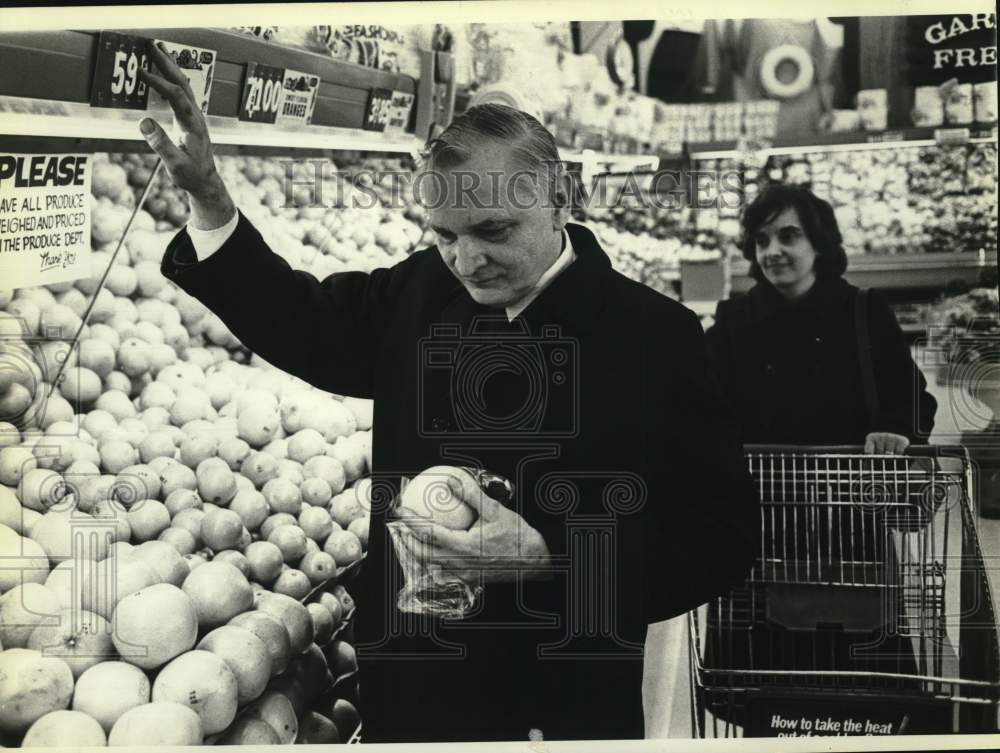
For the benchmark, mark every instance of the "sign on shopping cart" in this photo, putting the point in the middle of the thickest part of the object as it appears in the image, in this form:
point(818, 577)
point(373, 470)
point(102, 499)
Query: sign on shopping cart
point(832, 716)
point(297, 100)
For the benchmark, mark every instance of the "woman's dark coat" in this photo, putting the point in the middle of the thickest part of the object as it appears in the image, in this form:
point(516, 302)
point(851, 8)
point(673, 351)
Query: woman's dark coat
point(793, 373)
point(626, 460)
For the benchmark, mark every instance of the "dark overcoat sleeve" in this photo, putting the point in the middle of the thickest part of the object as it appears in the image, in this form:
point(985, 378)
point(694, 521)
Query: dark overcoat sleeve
point(711, 525)
point(905, 405)
point(324, 332)
point(720, 353)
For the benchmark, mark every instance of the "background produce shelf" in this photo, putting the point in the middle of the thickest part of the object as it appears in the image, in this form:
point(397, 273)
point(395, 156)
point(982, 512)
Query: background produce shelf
point(846, 140)
point(900, 271)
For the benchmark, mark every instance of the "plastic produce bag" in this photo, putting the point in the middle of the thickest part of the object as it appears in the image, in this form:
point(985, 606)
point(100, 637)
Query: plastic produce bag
point(427, 588)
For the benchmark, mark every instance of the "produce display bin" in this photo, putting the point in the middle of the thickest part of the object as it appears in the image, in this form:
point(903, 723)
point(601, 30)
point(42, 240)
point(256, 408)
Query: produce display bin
point(123, 301)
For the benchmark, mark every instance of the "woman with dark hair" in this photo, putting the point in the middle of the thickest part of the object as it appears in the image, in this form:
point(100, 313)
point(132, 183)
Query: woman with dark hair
point(805, 357)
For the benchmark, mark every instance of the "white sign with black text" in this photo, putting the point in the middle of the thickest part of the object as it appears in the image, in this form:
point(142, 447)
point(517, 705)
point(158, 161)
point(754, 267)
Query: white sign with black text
point(45, 206)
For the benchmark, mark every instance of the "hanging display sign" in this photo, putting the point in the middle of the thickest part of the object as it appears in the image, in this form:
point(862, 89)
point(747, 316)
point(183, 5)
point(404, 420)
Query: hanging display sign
point(120, 57)
point(378, 110)
point(198, 66)
point(298, 98)
point(399, 113)
point(959, 45)
point(262, 93)
point(45, 205)
point(116, 81)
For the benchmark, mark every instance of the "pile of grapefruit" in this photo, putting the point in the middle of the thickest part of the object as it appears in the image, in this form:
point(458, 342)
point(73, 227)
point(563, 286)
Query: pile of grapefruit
point(176, 514)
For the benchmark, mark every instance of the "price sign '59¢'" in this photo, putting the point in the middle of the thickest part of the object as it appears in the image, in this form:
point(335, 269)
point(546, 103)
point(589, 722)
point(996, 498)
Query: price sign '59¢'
point(262, 92)
point(116, 83)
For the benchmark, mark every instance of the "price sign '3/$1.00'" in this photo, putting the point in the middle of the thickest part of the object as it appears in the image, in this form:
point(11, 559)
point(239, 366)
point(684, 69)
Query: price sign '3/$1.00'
point(262, 92)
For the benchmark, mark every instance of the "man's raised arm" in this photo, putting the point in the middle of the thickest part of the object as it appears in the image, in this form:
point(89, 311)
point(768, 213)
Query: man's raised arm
point(323, 332)
point(190, 163)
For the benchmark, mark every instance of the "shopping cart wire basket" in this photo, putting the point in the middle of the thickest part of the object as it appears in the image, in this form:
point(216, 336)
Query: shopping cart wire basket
point(868, 610)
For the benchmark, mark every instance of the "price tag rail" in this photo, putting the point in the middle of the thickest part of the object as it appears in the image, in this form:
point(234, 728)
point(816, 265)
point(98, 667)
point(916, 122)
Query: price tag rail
point(20, 121)
point(59, 66)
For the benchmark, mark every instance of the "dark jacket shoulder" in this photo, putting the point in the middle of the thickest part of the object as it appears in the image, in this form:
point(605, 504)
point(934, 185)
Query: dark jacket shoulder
point(639, 303)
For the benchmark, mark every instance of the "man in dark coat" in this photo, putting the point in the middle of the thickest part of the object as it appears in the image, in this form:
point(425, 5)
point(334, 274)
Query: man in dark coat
point(632, 502)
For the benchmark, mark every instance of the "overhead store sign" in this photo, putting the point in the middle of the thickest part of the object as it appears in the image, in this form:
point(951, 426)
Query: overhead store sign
point(45, 207)
point(298, 97)
point(262, 93)
point(962, 46)
point(959, 57)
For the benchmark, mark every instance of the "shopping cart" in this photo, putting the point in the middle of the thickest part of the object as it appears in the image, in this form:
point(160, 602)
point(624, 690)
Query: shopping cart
point(868, 610)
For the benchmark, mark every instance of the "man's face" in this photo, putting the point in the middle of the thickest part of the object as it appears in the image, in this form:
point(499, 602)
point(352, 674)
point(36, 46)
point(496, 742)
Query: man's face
point(496, 232)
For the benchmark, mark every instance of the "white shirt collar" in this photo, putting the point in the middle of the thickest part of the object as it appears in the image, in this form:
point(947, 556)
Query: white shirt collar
point(564, 260)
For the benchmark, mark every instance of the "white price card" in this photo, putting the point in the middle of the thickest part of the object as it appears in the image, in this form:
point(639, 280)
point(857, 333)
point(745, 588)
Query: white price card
point(45, 207)
point(399, 113)
point(197, 64)
point(298, 98)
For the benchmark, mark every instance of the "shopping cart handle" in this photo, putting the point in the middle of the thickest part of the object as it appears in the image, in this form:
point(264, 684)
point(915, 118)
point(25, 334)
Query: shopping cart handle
point(800, 449)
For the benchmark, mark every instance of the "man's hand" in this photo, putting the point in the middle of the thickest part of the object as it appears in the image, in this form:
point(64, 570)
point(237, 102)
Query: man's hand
point(498, 547)
point(190, 164)
point(885, 443)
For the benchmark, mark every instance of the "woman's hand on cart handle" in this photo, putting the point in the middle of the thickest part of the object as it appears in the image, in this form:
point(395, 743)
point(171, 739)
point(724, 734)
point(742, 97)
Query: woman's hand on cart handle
point(190, 164)
point(885, 443)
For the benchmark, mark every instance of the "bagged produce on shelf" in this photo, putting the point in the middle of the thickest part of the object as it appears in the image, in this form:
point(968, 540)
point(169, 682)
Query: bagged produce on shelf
point(984, 97)
point(928, 107)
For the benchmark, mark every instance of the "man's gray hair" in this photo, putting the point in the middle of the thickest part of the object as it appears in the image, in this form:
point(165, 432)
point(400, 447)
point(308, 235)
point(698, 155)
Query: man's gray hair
point(531, 146)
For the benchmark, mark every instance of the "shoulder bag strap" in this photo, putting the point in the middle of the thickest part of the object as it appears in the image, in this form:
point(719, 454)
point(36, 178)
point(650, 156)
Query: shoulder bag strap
point(865, 357)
